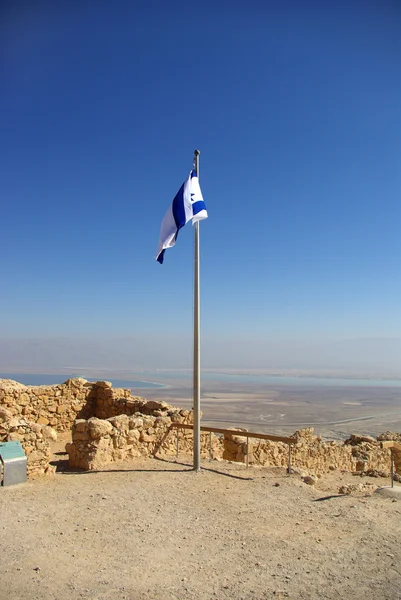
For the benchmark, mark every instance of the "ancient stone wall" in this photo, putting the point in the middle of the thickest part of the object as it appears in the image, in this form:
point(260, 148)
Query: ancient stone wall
point(396, 437)
point(311, 454)
point(54, 405)
point(113, 425)
point(35, 440)
point(31, 414)
point(98, 442)
point(111, 402)
point(59, 405)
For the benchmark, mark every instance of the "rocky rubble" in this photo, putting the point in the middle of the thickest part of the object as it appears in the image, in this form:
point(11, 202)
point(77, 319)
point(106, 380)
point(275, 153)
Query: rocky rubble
point(366, 489)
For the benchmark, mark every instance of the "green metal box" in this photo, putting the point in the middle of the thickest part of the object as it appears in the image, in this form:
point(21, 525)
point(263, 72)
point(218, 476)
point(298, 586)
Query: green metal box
point(14, 463)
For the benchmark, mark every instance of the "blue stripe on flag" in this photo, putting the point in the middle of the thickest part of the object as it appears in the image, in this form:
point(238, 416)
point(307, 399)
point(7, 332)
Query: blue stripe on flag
point(178, 209)
point(198, 206)
point(187, 204)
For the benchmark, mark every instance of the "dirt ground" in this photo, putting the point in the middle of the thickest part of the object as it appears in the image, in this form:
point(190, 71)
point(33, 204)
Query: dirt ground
point(155, 530)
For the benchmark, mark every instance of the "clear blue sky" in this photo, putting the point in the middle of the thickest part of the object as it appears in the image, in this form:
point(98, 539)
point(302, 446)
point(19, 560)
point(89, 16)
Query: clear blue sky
point(295, 107)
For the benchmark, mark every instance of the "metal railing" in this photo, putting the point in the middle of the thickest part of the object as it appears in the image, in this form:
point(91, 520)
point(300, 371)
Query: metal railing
point(248, 434)
point(289, 440)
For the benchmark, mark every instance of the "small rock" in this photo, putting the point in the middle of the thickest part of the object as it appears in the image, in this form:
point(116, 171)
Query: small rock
point(309, 479)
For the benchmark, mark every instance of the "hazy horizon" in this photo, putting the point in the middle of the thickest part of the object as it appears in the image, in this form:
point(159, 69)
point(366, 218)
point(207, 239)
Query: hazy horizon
point(366, 357)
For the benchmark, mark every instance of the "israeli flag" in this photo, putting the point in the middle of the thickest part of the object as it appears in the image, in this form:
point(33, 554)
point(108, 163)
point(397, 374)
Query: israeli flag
point(188, 204)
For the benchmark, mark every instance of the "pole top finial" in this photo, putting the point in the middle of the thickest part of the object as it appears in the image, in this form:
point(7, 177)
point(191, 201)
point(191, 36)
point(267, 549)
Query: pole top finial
point(196, 152)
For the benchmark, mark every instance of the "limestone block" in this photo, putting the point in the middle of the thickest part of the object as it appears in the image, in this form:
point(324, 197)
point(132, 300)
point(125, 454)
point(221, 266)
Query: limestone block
point(119, 393)
point(154, 405)
point(135, 423)
point(133, 436)
point(79, 436)
point(23, 399)
point(75, 382)
point(118, 454)
point(5, 414)
point(35, 456)
point(148, 422)
point(146, 438)
point(70, 448)
point(49, 433)
point(165, 421)
point(133, 452)
point(104, 384)
point(119, 441)
point(44, 399)
point(98, 428)
point(14, 437)
point(120, 422)
point(80, 425)
point(103, 445)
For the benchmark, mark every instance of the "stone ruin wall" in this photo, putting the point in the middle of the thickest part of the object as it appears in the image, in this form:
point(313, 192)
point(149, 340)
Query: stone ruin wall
point(34, 414)
point(109, 425)
point(97, 443)
point(311, 454)
point(59, 405)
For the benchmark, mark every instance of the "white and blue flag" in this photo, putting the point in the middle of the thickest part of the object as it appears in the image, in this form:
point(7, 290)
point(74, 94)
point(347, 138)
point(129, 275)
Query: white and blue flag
point(188, 204)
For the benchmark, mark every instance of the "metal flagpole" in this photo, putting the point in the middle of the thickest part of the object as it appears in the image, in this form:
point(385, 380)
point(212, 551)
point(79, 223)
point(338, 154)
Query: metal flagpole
point(196, 386)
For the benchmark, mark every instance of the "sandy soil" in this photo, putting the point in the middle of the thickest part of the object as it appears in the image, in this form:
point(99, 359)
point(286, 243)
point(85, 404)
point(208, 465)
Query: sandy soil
point(154, 529)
